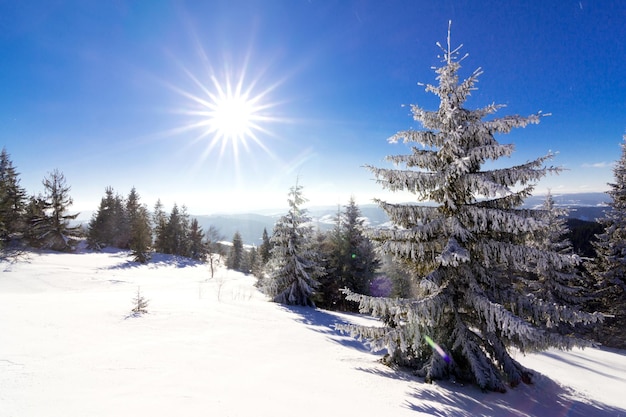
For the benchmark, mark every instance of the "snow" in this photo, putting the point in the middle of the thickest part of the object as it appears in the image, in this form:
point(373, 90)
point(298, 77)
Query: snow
point(69, 347)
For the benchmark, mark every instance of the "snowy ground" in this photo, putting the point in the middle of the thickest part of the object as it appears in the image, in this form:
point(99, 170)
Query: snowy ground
point(68, 347)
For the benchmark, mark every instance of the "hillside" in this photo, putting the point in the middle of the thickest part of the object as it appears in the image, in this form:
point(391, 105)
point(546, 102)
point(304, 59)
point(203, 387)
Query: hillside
point(70, 348)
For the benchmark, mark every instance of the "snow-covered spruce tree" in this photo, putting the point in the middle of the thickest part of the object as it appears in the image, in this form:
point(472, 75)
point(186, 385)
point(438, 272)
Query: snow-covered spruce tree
point(469, 247)
point(236, 254)
point(12, 201)
point(609, 266)
point(52, 230)
point(350, 259)
point(294, 265)
point(140, 240)
point(565, 284)
point(140, 304)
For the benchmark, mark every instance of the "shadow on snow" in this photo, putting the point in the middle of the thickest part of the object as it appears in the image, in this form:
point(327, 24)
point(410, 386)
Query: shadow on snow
point(156, 260)
point(544, 397)
point(325, 322)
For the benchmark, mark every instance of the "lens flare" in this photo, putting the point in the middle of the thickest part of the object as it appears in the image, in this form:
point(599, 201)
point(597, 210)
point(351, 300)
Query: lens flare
point(437, 348)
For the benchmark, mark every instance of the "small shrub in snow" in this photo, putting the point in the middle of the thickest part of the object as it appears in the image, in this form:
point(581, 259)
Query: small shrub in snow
point(140, 304)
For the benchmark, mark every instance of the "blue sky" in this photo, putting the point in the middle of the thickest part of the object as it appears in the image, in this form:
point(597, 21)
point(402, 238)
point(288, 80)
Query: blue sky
point(116, 93)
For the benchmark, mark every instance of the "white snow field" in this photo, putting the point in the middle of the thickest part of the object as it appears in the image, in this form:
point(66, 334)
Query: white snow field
point(216, 347)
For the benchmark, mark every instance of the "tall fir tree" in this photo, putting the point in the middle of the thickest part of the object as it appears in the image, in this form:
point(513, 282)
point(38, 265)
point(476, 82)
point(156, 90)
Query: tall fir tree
point(53, 230)
point(295, 266)
point(101, 231)
point(469, 246)
point(197, 246)
point(140, 236)
point(265, 247)
point(565, 284)
point(12, 201)
point(609, 265)
point(350, 259)
point(236, 254)
point(159, 227)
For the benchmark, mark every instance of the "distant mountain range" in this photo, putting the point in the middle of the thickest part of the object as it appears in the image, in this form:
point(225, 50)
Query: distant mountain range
point(582, 206)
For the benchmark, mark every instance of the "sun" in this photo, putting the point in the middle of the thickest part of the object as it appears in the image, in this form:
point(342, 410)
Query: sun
point(228, 112)
point(232, 115)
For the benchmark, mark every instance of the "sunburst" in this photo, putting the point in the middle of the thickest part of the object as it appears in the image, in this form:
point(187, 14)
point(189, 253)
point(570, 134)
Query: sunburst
point(229, 115)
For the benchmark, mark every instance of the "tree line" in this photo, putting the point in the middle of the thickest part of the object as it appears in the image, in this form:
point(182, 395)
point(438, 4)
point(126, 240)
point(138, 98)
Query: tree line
point(40, 220)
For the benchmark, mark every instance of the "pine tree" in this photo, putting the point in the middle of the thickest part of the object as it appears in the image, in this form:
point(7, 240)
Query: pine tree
point(235, 259)
point(140, 239)
point(609, 266)
point(361, 262)
point(140, 304)
point(350, 259)
point(197, 246)
point(159, 222)
point(12, 201)
point(254, 262)
point(101, 231)
point(121, 223)
point(52, 229)
point(562, 285)
point(295, 265)
point(265, 248)
point(175, 235)
point(469, 247)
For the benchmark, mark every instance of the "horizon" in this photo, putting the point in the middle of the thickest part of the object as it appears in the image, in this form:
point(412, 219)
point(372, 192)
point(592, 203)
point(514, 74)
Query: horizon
point(222, 106)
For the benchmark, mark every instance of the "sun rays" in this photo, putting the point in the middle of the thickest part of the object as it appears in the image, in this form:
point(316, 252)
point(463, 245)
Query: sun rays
point(227, 114)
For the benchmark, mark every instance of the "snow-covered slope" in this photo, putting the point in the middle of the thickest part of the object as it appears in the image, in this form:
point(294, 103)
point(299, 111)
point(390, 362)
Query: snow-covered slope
point(216, 347)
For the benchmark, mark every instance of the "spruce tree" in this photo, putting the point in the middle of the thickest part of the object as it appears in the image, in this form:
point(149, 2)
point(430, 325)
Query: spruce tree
point(563, 285)
point(12, 201)
point(101, 231)
point(197, 246)
point(469, 245)
point(235, 259)
point(140, 239)
point(159, 227)
point(295, 265)
point(609, 266)
point(265, 248)
point(350, 259)
point(52, 229)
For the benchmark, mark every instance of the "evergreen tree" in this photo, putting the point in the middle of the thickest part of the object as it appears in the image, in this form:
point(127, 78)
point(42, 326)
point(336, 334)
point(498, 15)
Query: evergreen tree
point(12, 200)
point(52, 230)
point(121, 223)
point(295, 264)
point(35, 218)
point(470, 246)
point(265, 248)
point(609, 266)
point(350, 259)
point(101, 231)
point(235, 259)
point(174, 234)
point(255, 262)
point(197, 246)
point(159, 222)
point(185, 244)
point(360, 261)
point(140, 239)
point(554, 283)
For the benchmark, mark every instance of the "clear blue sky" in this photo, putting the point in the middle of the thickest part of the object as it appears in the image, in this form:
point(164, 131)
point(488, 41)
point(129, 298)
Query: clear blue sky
point(108, 92)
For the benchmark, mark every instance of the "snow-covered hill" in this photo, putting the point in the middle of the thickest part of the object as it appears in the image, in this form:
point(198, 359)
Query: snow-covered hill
point(216, 347)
